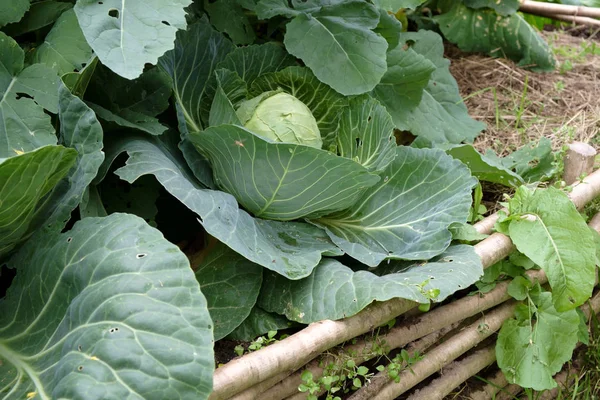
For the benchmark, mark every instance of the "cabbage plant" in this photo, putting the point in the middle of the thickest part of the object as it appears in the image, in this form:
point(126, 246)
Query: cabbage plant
point(259, 138)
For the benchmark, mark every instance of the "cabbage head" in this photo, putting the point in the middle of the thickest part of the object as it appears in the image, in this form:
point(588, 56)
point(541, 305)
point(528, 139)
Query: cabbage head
point(280, 117)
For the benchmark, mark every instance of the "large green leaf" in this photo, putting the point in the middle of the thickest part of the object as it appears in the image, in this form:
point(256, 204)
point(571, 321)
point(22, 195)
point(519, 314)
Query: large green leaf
point(401, 88)
point(337, 43)
point(530, 353)
point(228, 16)
point(436, 112)
point(231, 90)
point(126, 35)
point(281, 181)
point(109, 309)
point(191, 65)
point(130, 103)
point(545, 226)
point(80, 130)
point(499, 36)
point(335, 39)
point(231, 284)
point(292, 249)
point(395, 5)
point(334, 291)
point(324, 102)
point(406, 215)
point(24, 181)
point(502, 7)
point(258, 323)
point(64, 48)
point(533, 162)
point(365, 134)
point(390, 28)
point(23, 124)
point(41, 13)
point(13, 11)
point(250, 62)
point(485, 168)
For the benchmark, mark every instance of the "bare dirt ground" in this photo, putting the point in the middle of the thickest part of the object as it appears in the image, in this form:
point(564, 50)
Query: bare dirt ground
point(520, 106)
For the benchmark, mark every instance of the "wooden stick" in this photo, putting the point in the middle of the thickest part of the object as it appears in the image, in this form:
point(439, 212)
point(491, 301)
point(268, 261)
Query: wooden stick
point(295, 351)
point(456, 374)
point(574, 19)
point(456, 311)
point(536, 7)
point(579, 161)
point(586, 191)
point(495, 383)
point(401, 335)
point(508, 392)
point(382, 378)
point(448, 351)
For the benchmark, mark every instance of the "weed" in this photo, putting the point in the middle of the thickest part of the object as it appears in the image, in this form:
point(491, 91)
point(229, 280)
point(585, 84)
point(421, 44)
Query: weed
point(258, 343)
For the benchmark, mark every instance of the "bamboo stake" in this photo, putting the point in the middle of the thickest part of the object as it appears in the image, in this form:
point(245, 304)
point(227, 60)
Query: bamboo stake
point(535, 7)
point(579, 160)
point(509, 392)
point(495, 383)
point(401, 335)
point(574, 19)
point(460, 309)
point(286, 356)
point(381, 379)
point(296, 350)
point(446, 352)
point(456, 374)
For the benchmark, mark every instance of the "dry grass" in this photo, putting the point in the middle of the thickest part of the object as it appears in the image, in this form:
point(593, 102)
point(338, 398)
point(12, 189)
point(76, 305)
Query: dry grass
point(519, 106)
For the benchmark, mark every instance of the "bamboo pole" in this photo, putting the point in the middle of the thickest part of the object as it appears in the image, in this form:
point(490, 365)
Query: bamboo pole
point(494, 384)
point(574, 19)
point(579, 160)
point(456, 374)
point(401, 335)
point(457, 310)
point(536, 7)
point(448, 351)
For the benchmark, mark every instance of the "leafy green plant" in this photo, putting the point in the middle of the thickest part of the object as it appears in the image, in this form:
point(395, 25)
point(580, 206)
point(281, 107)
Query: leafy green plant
point(543, 224)
point(401, 361)
point(258, 343)
point(106, 102)
point(342, 376)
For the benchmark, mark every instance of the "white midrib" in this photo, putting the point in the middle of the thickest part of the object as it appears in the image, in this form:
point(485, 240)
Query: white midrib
point(551, 239)
point(8, 89)
point(15, 359)
point(123, 30)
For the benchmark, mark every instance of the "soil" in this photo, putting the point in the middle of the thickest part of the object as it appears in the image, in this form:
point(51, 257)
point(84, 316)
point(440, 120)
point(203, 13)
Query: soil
point(520, 106)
